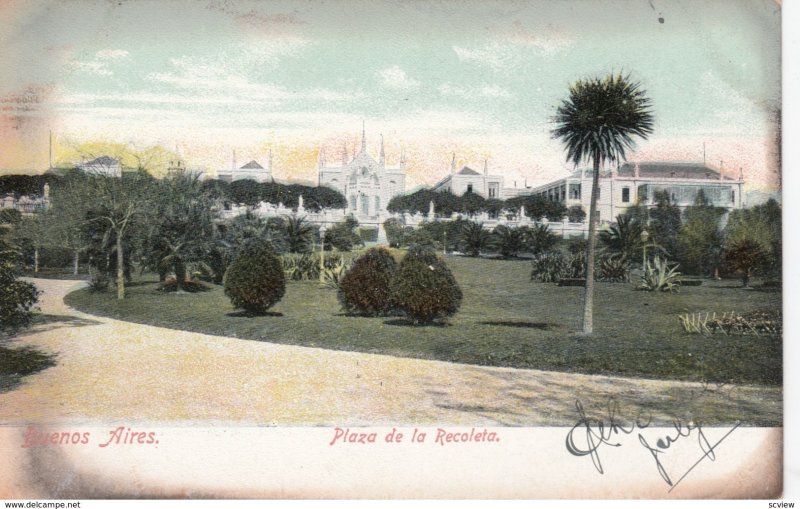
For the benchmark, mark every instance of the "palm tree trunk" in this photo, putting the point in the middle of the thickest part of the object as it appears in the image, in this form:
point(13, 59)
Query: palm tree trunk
point(36, 259)
point(75, 255)
point(180, 274)
point(588, 293)
point(120, 269)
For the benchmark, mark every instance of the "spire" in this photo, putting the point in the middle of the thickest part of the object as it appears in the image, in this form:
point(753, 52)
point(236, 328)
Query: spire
point(270, 160)
point(741, 174)
point(345, 160)
point(233, 161)
point(383, 154)
point(453, 165)
point(321, 158)
point(363, 136)
point(486, 167)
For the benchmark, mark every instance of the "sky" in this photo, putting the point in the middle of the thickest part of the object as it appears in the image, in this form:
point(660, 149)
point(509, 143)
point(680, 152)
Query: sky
point(481, 79)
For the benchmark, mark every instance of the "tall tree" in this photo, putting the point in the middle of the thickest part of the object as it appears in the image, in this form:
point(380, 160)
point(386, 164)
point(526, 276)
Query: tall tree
point(665, 223)
point(63, 221)
point(118, 204)
point(700, 239)
point(182, 228)
point(598, 122)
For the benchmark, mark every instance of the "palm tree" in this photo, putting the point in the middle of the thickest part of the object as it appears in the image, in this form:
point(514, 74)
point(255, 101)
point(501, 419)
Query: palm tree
point(299, 234)
point(540, 239)
point(598, 123)
point(474, 238)
point(509, 241)
point(624, 239)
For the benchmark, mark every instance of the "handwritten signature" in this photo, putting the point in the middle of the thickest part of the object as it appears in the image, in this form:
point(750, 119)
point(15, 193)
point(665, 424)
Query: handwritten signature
point(587, 436)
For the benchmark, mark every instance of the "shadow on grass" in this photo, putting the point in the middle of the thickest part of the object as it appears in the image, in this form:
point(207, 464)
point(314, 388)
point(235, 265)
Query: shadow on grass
point(405, 322)
point(17, 363)
point(523, 325)
point(250, 314)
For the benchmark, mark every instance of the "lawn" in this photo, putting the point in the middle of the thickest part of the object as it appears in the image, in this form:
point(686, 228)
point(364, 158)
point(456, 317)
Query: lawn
point(505, 320)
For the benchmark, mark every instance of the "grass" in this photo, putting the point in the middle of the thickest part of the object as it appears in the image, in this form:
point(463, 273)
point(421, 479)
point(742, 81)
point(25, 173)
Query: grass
point(505, 320)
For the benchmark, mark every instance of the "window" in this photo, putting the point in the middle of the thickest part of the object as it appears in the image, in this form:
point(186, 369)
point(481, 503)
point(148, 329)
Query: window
point(493, 190)
point(733, 196)
point(364, 204)
point(353, 202)
point(377, 203)
point(641, 193)
point(575, 191)
point(469, 188)
point(626, 195)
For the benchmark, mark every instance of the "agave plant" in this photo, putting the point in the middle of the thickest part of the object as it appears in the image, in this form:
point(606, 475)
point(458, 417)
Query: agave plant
point(661, 276)
point(333, 273)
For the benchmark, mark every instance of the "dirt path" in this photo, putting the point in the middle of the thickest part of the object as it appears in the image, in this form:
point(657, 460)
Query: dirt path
point(111, 371)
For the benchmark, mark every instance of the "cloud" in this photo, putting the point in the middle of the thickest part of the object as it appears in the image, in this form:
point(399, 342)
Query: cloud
point(548, 40)
point(210, 82)
point(111, 54)
point(492, 91)
point(494, 55)
point(396, 78)
point(99, 65)
point(92, 67)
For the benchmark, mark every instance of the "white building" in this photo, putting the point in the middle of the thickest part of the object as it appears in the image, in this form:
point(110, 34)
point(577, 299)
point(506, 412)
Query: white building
point(103, 165)
point(467, 180)
point(252, 170)
point(639, 182)
point(367, 184)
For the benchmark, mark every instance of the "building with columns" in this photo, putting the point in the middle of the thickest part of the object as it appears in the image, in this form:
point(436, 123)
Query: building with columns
point(639, 182)
point(367, 184)
point(251, 170)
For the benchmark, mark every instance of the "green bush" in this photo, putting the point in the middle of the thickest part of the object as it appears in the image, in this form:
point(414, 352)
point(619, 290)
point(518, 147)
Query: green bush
point(395, 232)
point(552, 266)
point(343, 235)
point(255, 280)
point(576, 214)
point(17, 299)
point(745, 256)
point(612, 268)
point(365, 287)
point(548, 267)
point(367, 234)
point(305, 267)
point(424, 288)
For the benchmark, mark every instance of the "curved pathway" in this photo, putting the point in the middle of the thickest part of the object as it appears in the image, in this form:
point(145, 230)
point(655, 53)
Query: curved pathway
point(109, 370)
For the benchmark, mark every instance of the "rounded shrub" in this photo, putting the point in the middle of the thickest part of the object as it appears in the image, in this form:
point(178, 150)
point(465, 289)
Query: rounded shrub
point(424, 288)
point(365, 287)
point(255, 280)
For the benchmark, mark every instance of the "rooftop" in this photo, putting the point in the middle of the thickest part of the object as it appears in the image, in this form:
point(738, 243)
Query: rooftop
point(252, 165)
